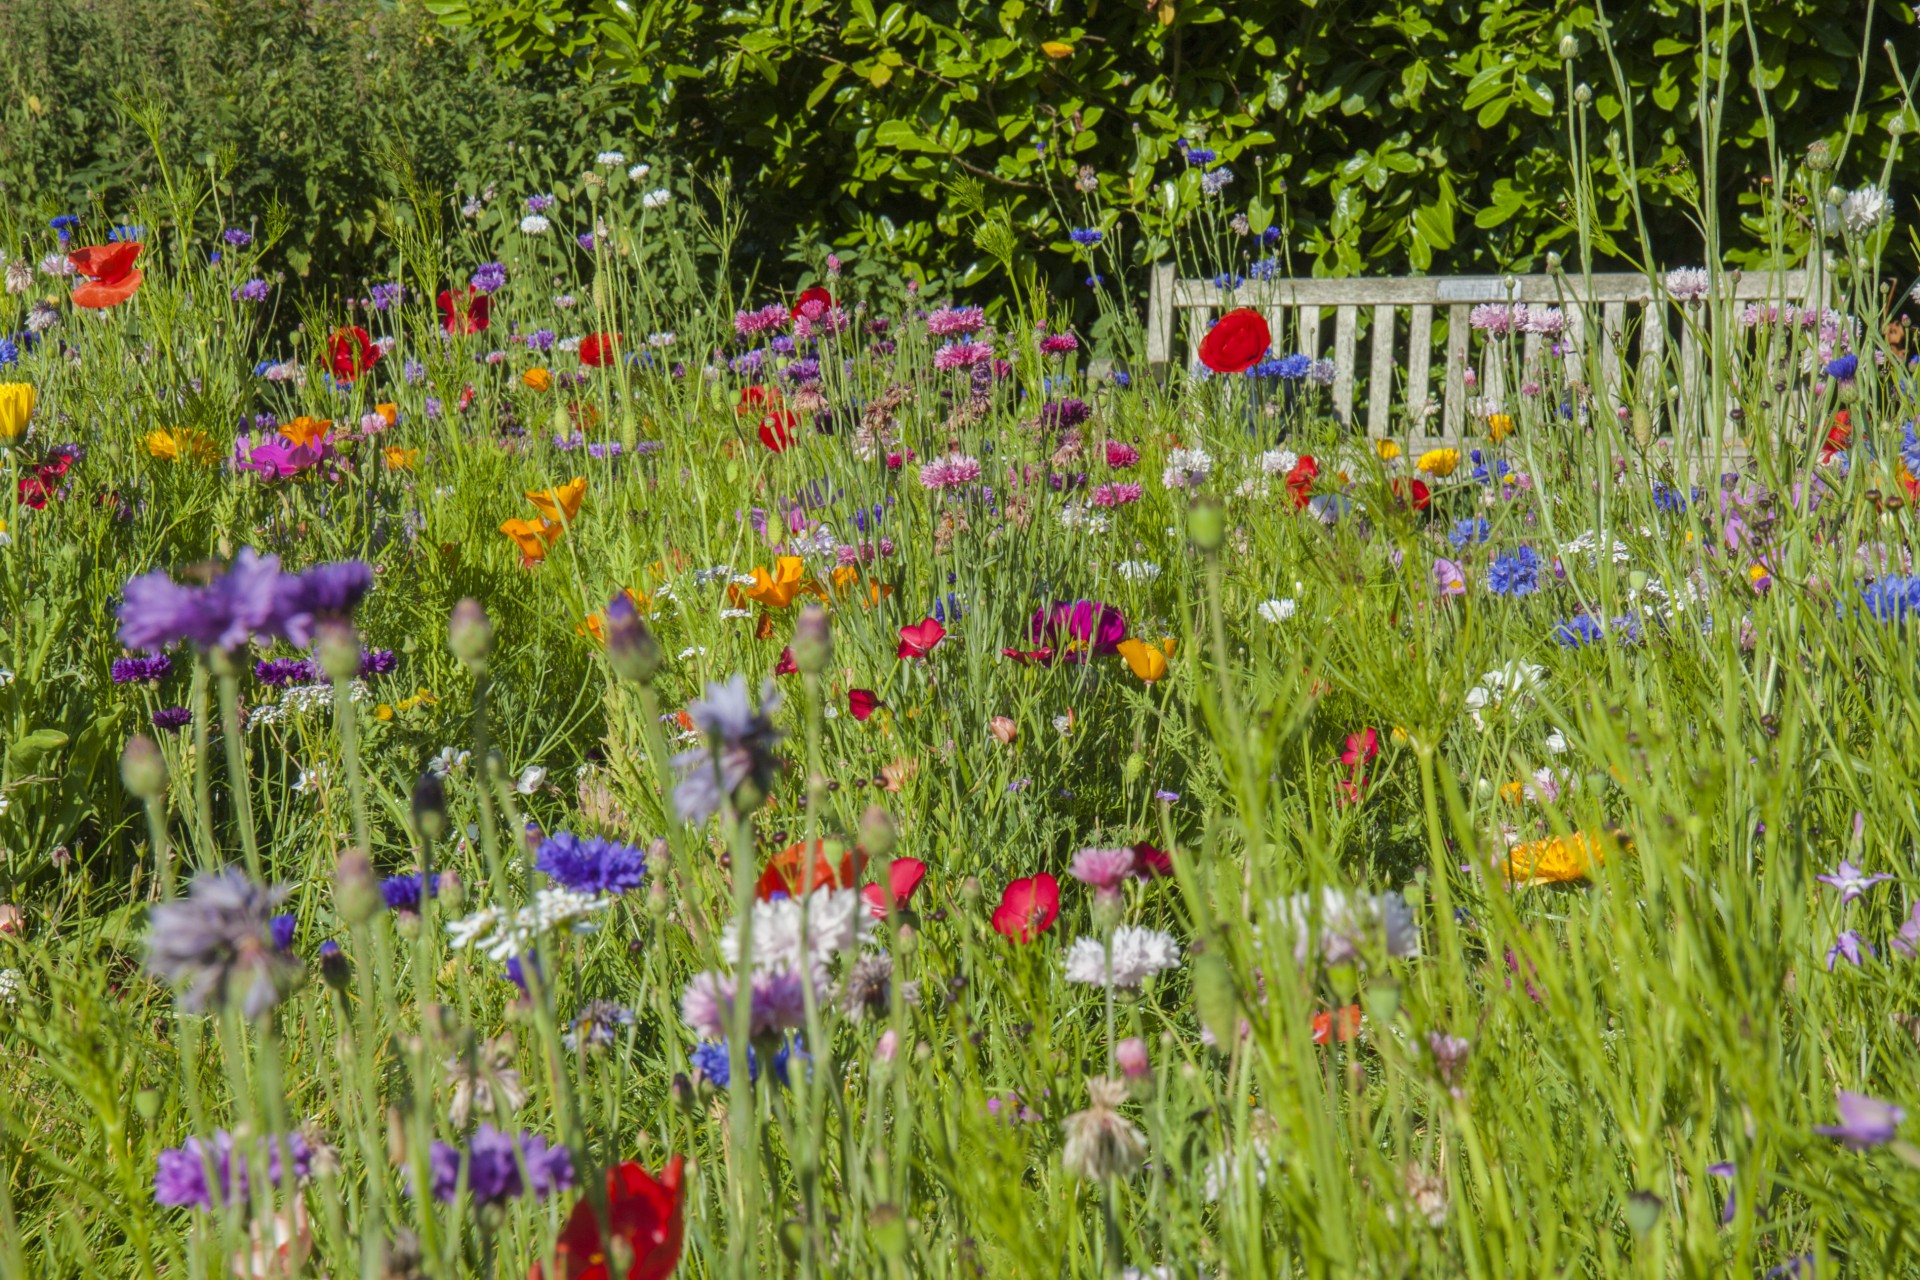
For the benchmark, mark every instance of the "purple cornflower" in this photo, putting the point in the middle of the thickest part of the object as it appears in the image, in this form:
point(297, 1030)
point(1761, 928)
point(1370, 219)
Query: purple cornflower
point(172, 718)
point(491, 1167)
point(1850, 881)
point(1061, 414)
point(489, 276)
point(403, 892)
point(738, 760)
point(284, 671)
point(1848, 944)
point(1864, 1121)
point(217, 942)
point(377, 662)
point(225, 614)
point(384, 297)
point(255, 290)
point(748, 363)
point(593, 864)
point(236, 237)
point(154, 667)
point(540, 203)
point(281, 928)
point(326, 591)
point(807, 370)
point(180, 1173)
point(1725, 1169)
point(1167, 797)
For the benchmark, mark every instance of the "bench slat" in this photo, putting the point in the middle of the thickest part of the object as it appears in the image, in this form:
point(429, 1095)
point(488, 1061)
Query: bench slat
point(1345, 324)
point(1380, 376)
point(1419, 358)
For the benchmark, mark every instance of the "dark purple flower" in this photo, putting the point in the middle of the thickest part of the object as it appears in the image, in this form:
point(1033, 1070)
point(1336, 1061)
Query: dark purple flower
point(154, 667)
point(594, 864)
point(377, 662)
point(281, 929)
point(236, 237)
point(403, 892)
point(1724, 1170)
point(180, 1175)
point(172, 718)
point(255, 290)
point(217, 942)
point(1061, 414)
point(325, 591)
point(1848, 879)
point(284, 671)
point(1864, 1121)
point(492, 1166)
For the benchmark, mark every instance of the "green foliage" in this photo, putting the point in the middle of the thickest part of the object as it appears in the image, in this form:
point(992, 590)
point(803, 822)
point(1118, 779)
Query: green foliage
point(851, 118)
point(303, 106)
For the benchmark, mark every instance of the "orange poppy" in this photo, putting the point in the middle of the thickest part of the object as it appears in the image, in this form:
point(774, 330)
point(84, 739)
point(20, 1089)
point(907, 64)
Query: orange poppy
point(533, 537)
point(563, 503)
point(787, 872)
point(307, 432)
point(398, 459)
point(111, 276)
point(389, 411)
point(777, 590)
point(537, 379)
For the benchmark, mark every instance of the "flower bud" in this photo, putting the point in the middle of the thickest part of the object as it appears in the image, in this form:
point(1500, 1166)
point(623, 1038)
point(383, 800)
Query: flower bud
point(334, 969)
point(812, 641)
point(1569, 46)
point(430, 807)
point(1207, 523)
point(1130, 1055)
point(453, 894)
point(632, 650)
point(338, 648)
point(356, 895)
point(470, 634)
point(143, 768)
point(1819, 157)
point(1583, 94)
point(1003, 729)
point(877, 833)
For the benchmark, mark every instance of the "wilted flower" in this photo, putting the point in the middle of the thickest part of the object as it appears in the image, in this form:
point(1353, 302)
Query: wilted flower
point(738, 761)
point(1102, 1143)
point(218, 942)
point(485, 1081)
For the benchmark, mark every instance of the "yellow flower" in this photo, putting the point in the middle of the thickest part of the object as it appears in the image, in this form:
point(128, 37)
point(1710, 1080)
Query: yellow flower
point(778, 589)
point(398, 459)
point(537, 379)
point(1145, 660)
point(1439, 462)
point(16, 406)
point(1500, 426)
point(179, 444)
point(1755, 572)
point(383, 712)
point(1387, 449)
point(1056, 49)
point(561, 504)
point(1556, 860)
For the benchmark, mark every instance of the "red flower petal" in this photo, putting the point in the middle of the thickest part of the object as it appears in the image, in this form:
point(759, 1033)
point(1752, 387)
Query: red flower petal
point(815, 294)
point(903, 876)
point(917, 640)
point(862, 703)
point(97, 295)
point(647, 1215)
point(1236, 344)
point(1028, 908)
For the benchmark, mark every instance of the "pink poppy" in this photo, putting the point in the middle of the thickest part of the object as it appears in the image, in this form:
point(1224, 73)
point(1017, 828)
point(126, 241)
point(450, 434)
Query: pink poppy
point(903, 878)
point(1362, 747)
point(919, 639)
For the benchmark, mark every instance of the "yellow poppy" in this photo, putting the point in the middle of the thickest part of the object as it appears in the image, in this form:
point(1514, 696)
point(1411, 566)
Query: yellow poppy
point(1387, 449)
point(537, 379)
point(1556, 860)
point(563, 503)
point(1145, 660)
point(1500, 426)
point(398, 459)
point(306, 431)
point(778, 589)
point(16, 406)
point(533, 537)
point(180, 444)
point(1056, 49)
point(1439, 462)
point(389, 411)
point(383, 712)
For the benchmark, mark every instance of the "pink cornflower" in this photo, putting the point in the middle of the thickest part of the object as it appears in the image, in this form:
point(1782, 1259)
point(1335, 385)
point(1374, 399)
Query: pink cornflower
point(961, 355)
point(1121, 456)
point(1103, 869)
point(1116, 495)
point(951, 472)
point(955, 322)
point(822, 321)
point(779, 1004)
point(1058, 344)
point(1492, 317)
point(769, 317)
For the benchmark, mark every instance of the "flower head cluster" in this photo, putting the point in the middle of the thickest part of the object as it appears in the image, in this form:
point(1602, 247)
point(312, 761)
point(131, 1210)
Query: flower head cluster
point(1131, 956)
point(181, 1174)
point(1187, 469)
point(217, 942)
point(504, 935)
point(956, 322)
point(955, 471)
point(591, 864)
point(490, 1169)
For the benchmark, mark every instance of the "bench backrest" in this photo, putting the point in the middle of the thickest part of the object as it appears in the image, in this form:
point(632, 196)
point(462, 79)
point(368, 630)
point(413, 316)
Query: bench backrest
point(1396, 316)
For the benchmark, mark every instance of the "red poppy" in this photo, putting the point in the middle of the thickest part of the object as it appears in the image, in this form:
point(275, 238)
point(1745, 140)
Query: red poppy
point(1037, 657)
point(862, 703)
point(815, 294)
point(1362, 747)
point(786, 874)
point(776, 422)
point(903, 877)
point(786, 666)
point(645, 1214)
point(1325, 1028)
point(111, 275)
point(1414, 491)
point(1150, 863)
point(599, 349)
point(1236, 344)
point(1839, 435)
point(464, 312)
point(1300, 479)
point(917, 640)
point(352, 353)
point(1028, 908)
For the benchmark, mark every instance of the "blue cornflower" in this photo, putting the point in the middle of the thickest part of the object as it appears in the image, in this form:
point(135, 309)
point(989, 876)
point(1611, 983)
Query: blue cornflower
point(1095, 280)
point(281, 928)
point(710, 1060)
point(948, 609)
point(1466, 531)
point(593, 864)
point(1582, 630)
point(236, 237)
point(403, 892)
point(1488, 473)
point(125, 233)
point(1265, 269)
point(1844, 368)
point(1515, 575)
point(1086, 235)
point(9, 352)
point(64, 225)
point(260, 370)
point(1910, 450)
point(1287, 368)
point(1270, 237)
point(489, 277)
point(1890, 599)
point(1120, 378)
point(1228, 280)
point(1201, 155)
point(1669, 499)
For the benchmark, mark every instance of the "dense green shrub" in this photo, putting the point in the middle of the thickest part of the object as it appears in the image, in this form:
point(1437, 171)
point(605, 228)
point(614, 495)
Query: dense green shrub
point(308, 104)
point(1405, 135)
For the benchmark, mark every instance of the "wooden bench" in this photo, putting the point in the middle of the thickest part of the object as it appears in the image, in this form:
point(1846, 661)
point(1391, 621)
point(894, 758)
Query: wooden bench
point(1396, 317)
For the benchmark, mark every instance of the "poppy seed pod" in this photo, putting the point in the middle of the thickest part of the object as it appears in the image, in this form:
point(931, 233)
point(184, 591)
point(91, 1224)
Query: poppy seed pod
point(355, 894)
point(430, 807)
point(812, 640)
point(1207, 523)
point(470, 634)
point(143, 768)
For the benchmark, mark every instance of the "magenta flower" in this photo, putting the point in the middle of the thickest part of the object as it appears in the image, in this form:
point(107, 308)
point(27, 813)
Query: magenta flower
point(1864, 1122)
point(1091, 628)
point(1849, 880)
point(1850, 945)
point(1105, 870)
point(961, 355)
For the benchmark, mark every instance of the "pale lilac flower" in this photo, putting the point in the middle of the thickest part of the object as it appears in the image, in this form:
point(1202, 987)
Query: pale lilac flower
point(1850, 945)
point(1104, 870)
point(1864, 1121)
point(1850, 881)
point(1688, 284)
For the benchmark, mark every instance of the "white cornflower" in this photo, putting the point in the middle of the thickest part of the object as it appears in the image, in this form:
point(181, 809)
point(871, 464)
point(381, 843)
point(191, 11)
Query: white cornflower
point(569, 344)
point(1187, 469)
point(656, 199)
point(639, 171)
point(535, 225)
point(1137, 570)
point(56, 265)
point(1863, 210)
point(1078, 515)
point(504, 936)
point(836, 921)
point(610, 159)
point(531, 779)
point(1350, 926)
point(1556, 743)
point(314, 779)
point(662, 340)
point(1688, 284)
point(1138, 954)
point(10, 984)
point(731, 614)
point(1503, 689)
point(1276, 611)
point(1278, 462)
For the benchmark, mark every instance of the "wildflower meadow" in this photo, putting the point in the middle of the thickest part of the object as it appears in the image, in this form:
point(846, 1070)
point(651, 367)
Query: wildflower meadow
point(595, 755)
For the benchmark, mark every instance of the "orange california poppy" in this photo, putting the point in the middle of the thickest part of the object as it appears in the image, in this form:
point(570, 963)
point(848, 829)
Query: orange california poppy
point(787, 873)
point(778, 589)
point(398, 459)
point(533, 537)
point(1147, 661)
point(306, 432)
point(563, 503)
point(537, 379)
point(111, 276)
